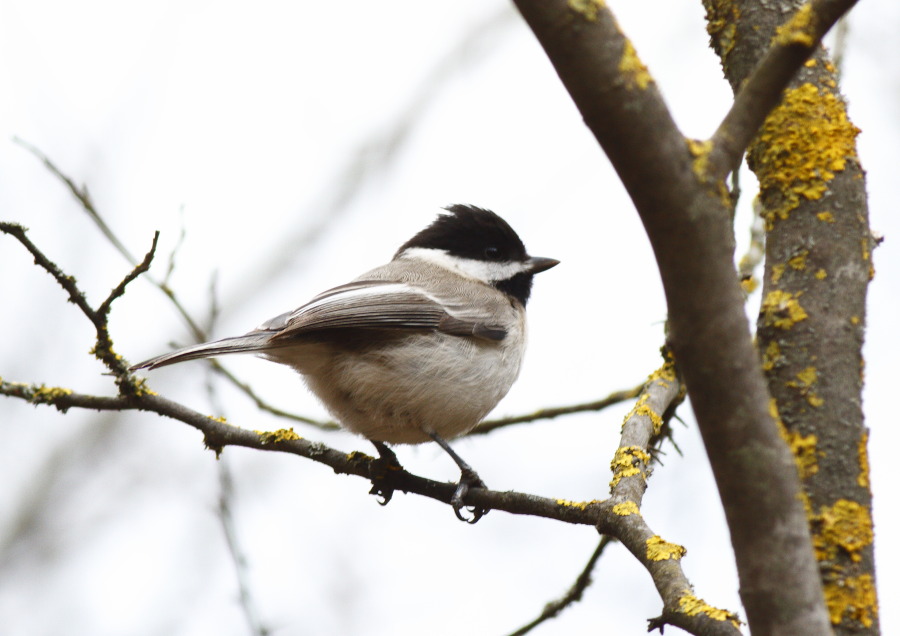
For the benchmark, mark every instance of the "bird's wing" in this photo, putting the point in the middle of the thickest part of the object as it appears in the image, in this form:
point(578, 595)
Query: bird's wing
point(375, 304)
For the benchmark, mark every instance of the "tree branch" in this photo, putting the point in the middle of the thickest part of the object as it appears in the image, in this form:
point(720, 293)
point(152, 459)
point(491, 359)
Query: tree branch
point(103, 350)
point(811, 325)
point(683, 204)
point(550, 413)
point(218, 435)
point(795, 41)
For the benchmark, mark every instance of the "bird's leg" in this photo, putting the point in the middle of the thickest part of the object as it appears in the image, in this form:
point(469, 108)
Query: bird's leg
point(380, 476)
point(468, 479)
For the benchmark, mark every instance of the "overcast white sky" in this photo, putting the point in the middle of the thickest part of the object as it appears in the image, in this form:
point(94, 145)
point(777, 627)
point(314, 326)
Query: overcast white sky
point(297, 144)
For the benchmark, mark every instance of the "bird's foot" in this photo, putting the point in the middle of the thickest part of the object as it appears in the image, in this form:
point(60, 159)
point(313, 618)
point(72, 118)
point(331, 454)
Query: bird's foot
point(382, 471)
point(467, 479)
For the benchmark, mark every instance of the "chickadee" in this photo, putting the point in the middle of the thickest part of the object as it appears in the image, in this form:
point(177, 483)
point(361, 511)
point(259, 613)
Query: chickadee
point(419, 349)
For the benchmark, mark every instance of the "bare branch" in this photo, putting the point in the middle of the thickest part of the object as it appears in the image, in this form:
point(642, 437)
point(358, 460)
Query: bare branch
point(573, 595)
point(552, 412)
point(103, 350)
point(83, 197)
point(141, 268)
point(226, 495)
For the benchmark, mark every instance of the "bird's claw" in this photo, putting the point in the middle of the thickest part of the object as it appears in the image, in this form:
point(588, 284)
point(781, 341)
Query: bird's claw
point(467, 479)
point(380, 473)
point(383, 491)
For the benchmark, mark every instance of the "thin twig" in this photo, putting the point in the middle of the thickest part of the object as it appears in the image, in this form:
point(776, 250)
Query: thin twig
point(103, 350)
point(573, 595)
point(552, 412)
point(226, 496)
point(83, 197)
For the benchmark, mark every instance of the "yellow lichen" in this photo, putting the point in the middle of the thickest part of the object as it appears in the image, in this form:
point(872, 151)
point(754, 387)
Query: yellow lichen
point(772, 356)
point(721, 24)
point(826, 217)
point(274, 437)
point(48, 394)
point(664, 374)
point(846, 525)
point(805, 453)
point(802, 144)
point(853, 598)
point(633, 70)
point(803, 448)
point(141, 388)
point(854, 320)
point(804, 382)
point(862, 480)
point(628, 462)
point(626, 508)
point(782, 309)
point(815, 400)
point(800, 29)
point(777, 272)
point(808, 376)
point(773, 411)
point(798, 262)
point(700, 151)
point(641, 408)
point(581, 505)
point(749, 284)
point(588, 9)
point(821, 274)
point(660, 550)
point(810, 63)
point(693, 606)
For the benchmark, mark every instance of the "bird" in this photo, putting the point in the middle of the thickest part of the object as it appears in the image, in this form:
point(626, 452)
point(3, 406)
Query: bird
point(419, 349)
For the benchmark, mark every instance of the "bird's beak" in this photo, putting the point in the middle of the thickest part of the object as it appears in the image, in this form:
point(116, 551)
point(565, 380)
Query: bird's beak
point(537, 264)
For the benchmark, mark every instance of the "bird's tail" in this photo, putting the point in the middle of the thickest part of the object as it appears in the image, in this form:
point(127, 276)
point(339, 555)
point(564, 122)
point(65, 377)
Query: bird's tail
point(249, 343)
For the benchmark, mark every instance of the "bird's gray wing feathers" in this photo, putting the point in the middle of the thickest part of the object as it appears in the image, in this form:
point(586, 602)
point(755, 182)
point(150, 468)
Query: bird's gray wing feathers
point(376, 305)
point(254, 341)
point(371, 304)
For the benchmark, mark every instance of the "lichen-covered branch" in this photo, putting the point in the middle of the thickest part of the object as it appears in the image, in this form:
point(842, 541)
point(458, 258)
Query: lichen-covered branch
point(219, 434)
point(818, 266)
point(794, 42)
point(642, 428)
point(678, 189)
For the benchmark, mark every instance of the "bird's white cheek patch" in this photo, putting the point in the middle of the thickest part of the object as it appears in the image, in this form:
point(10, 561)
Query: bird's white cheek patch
point(484, 271)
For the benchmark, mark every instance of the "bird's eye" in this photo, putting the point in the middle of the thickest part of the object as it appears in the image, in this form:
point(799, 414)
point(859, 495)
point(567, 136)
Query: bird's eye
point(492, 253)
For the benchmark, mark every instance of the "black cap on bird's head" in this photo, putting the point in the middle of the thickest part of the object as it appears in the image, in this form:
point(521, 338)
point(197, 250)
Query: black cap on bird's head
point(471, 232)
point(477, 234)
